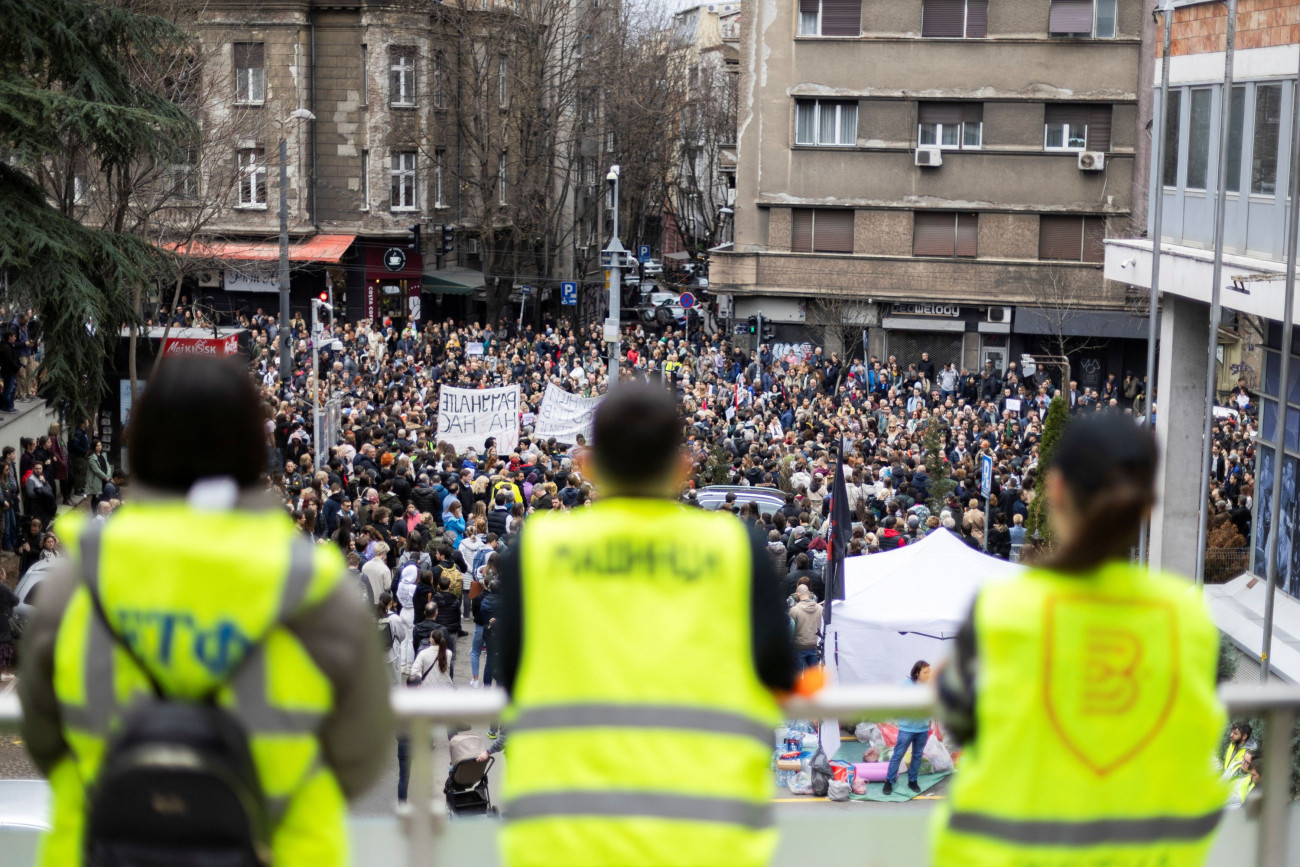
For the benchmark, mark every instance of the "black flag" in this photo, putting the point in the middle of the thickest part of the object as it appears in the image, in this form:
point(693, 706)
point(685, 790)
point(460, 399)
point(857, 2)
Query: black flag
point(841, 529)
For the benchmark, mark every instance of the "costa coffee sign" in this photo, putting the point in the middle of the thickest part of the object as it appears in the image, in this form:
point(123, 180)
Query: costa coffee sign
point(214, 347)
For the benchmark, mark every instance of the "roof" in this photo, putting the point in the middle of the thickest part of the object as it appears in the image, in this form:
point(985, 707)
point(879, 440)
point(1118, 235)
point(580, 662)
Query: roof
point(318, 248)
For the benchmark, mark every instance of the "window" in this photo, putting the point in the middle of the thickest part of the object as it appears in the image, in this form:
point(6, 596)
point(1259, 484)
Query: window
point(1076, 127)
point(1238, 109)
point(830, 17)
point(184, 172)
point(825, 124)
point(439, 85)
point(402, 175)
point(1172, 124)
point(252, 178)
point(502, 179)
point(503, 85)
point(944, 233)
point(1075, 239)
point(401, 78)
point(609, 142)
point(950, 124)
point(438, 159)
point(1082, 18)
point(955, 19)
point(1198, 140)
point(1268, 125)
point(365, 180)
point(365, 74)
point(250, 73)
point(821, 230)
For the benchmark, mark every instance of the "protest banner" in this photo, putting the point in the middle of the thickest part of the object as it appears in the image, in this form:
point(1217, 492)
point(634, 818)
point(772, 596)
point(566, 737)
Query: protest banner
point(468, 416)
point(564, 415)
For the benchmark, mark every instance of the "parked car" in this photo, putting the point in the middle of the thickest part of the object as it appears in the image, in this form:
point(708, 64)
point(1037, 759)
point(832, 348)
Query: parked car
point(652, 266)
point(711, 497)
point(29, 588)
point(24, 805)
point(668, 302)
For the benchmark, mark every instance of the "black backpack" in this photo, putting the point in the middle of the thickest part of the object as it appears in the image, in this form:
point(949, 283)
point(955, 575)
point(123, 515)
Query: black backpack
point(177, 786)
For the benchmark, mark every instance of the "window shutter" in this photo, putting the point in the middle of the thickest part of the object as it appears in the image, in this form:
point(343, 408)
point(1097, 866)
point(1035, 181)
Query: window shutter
point(940, 112)
point(977, 19)
point(1060, 238)
point(241, 54)
point(833, 231)
point(967, 225)
point(1099, 128)
point(249, 55)
point(1094, 233)
point(809, 7)
point(1070, 16)
point(841, 17)
point(1075, 115)
point(943, 18)
point(972, 112)
point(934, 234)
point(801, 220)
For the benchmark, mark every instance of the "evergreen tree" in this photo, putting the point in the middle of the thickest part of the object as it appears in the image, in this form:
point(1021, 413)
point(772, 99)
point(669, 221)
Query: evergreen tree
point(936, 467)
point(1058, 415)
point(66, 88)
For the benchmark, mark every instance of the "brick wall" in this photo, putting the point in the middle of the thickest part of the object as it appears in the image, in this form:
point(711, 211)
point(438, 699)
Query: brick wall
point(1200, 29)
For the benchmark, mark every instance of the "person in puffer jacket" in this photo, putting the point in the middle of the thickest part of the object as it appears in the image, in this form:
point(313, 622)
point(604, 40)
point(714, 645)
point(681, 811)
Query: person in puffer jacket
point(776, 551)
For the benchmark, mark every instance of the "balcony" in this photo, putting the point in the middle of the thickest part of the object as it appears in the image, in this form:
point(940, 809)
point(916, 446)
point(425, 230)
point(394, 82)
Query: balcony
point(1266, 833)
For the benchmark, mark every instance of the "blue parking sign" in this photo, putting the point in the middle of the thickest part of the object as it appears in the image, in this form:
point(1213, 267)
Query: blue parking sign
point(569, 294)
point(642, 252)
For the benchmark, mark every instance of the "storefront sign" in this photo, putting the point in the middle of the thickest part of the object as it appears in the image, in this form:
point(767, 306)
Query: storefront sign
point(951, 311)
point(372, 302)
point(467, 417)
point(212, 347)
point(251, 281)
point(395, 259)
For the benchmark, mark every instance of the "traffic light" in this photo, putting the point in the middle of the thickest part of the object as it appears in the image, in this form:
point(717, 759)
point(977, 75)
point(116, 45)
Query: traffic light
point(413, 238)
point(769, 331)
point(448, 239)
point(753, 325)
point(324, 313)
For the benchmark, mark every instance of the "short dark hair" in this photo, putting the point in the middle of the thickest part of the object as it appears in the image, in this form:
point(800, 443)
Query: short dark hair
point(636, 433)
point(212, 408)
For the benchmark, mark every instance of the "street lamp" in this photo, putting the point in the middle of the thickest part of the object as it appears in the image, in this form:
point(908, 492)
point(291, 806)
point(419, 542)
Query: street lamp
point(612, 258)
point(286, 354)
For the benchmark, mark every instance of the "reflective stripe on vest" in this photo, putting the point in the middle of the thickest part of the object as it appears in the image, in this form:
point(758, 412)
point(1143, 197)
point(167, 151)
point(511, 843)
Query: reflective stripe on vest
point(1099, 833)
point(687, 719)
point(248, 686)
point(615, 804)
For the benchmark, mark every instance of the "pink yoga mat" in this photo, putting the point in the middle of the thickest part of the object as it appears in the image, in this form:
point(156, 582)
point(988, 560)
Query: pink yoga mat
point(872, 771)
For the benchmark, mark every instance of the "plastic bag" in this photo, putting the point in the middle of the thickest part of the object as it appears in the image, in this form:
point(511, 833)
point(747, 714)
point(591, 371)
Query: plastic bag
point(869, 733)
point(839, 790)
point(871, 754)
point(820, 768)
point(936, 752)
point(859, 786)
point(800, 784)
point(889, 733)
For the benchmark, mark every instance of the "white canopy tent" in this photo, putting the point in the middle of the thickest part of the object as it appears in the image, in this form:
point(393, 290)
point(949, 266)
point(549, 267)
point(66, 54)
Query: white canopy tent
point(905, 605)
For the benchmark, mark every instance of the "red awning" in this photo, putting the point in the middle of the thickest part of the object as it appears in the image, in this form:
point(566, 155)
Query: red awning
point(319, 248)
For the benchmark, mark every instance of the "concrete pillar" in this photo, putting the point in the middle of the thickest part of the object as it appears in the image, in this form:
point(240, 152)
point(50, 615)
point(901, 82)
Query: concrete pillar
point(1180, 420)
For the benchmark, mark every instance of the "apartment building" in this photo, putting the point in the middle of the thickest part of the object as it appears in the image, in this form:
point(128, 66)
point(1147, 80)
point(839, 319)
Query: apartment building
point(395, 114)
point(1249, 340)
point(938, 175)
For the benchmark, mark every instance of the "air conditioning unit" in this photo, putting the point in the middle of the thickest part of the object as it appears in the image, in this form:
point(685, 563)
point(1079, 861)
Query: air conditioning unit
point(999, 314)
point(473, 246)
point(930, 157)
point(209, 279)
point(731, 196)
point(1092, 161)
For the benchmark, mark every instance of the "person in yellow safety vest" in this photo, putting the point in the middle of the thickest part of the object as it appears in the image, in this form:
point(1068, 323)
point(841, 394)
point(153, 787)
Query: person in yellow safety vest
point(1243, 785)
point(1084, 690)
point(508, 485)
point(206, 592)
point(1240, 740)
point(641, 642)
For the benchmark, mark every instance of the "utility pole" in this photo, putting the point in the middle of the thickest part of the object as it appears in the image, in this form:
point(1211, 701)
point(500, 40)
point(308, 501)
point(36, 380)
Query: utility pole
point(613, 258)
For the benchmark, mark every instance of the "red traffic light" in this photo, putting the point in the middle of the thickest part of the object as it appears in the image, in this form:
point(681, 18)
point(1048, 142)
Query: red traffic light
point(324, 297)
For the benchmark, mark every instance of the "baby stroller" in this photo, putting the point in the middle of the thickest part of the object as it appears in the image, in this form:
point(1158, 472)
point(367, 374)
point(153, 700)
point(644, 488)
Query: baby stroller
point(466, 788)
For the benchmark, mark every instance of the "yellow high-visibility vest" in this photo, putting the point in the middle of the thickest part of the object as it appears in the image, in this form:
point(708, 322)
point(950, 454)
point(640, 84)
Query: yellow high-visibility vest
point(1096, 716)
point(640, 735)
point(192, 616)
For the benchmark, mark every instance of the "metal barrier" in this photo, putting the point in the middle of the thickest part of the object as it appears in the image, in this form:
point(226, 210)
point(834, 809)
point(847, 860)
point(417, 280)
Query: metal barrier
point(421, 710)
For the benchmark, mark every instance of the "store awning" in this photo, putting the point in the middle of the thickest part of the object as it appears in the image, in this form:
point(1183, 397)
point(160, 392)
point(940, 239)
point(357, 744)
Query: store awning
point(1081, 323)
point(452, 281)
point(679, 257)
point(318, 248)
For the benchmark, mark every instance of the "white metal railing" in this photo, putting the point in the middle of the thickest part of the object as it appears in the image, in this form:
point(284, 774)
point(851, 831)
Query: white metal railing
point(419, 710)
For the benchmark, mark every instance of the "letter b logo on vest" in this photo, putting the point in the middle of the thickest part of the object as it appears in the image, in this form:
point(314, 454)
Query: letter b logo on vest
point(1110, 675)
